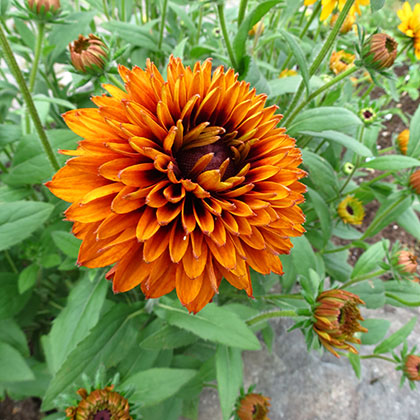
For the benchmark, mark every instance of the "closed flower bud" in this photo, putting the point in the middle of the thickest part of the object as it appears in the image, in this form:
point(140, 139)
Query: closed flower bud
point(407, 261)
point(337, 320)
point(347, 24)
point(254, 407)
point(367, 115)
point(412, 367)
point(415, 181)
point(340, 61)
point(42, 7)
point(402, 141)
point(88, 54)
point(379, 51)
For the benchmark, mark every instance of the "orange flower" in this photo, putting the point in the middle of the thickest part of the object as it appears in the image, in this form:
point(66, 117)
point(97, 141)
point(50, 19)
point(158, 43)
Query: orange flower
point(402, 141)
point(415, 181)
point(181, 183)
point(412, 367)
point(101, 404)
point(340, 61)
point(337, 320)
point(254, 407)
point(407, 261)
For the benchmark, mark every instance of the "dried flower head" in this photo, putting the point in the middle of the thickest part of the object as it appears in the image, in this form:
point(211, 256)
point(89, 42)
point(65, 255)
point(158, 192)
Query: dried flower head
point(337, 320)
point(254, 407)
point(415, 181)
point(402, 141)
point(351, 210)
point(340, 61)
point(288, 73)
point(101, 404)
point(407, 261)
point(43, 7)
point(181, 183)
point(379, 51)
point(348, 23)
point(410, 24)
point(88, 54)
point(412, 367)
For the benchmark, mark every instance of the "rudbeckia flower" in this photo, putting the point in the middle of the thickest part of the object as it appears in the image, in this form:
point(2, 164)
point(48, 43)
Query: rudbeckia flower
point(410, 24)
point(182, 182)
point(340, 61)
point(351, 210)
point(328, 6)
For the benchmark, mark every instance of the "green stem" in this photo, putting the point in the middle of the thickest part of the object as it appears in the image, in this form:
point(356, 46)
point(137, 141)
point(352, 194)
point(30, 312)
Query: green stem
point(122, 10)
point(321, 55)
point(302, 16)
point(364, 277)
point(116, 82)
point(404, 302)
point(368, 90)
point(10, 261)
point(105, 6)
point(378, 356)
point(162, 23)
point(15, 70)
point(268, 315)
point(280, 296)
point(200, 22)
point(242, 10)
point(3, 168)
point(382, 217)
point(323, 88)
point(221, 14)
point(342, 248)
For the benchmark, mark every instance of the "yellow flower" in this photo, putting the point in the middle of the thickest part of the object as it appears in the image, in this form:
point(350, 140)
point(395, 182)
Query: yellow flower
point(348, 23)
point(351, 210)
point(410, 24)
point(328, 6)
point(340, 61)
point(402, 141)
point(287, 73)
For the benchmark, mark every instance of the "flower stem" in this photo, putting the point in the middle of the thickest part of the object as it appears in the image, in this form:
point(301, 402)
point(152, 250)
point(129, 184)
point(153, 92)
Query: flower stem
point(10, 261)
point(221, 14)
point(105, 6)
point(362, 278)
point(241, 13)
point(114, 80)
point(320, 90)
point(162, 22)
point(321, 55)
point(378, 356)
point(342, 248)
point(268, 315)
point(15, 70)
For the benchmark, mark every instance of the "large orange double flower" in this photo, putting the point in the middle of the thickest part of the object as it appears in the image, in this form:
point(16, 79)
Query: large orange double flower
point(181, 183)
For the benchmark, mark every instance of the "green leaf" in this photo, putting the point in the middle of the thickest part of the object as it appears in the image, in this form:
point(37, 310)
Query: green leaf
point(9, 194)
point(413, 147)
point(168, 337)
point(62, 102)
point(409, 221)
point(67, 243)
point(107, 343)
point(155, 385)
point(74, 322)
point(206, 324)
point(370, 259)
point(372, 292)
point(27, 277)
point(391, 163)
point(299, 55)
point(405, 290)
point(319, 120)
point(229, 377)
point(376, 5)
point(20, 219)
point(11, 301)
point(13, 367)
point(11, 333)
point(284, 85)
point(396, 339)
point(239, 42)
point(9, 133)
point(354, 360)
point(347, 141)
point(377, 328)
point(323, 212)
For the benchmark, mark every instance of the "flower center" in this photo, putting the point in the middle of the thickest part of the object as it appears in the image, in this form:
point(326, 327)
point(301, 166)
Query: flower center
point(367, 114)
point(103, 415)
point(389, 45)
point(350, 210)
point(187, 159)
point(349, 314)
point(81, 44)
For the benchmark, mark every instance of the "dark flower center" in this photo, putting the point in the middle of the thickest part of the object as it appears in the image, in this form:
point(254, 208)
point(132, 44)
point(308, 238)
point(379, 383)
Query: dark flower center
point(350, 210)
point(186, 159)
point(81, 44)
point(367, 114)
point(103, 415)
point(389, 45)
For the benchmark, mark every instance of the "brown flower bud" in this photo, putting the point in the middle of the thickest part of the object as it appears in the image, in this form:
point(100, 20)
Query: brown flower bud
point(407, 261)
point(254, 407)
point(412, 367)
point(415, 181)
point(380, 51)
point(337, 320)
point(402, 141)
point(41, 7)
point(88, 54)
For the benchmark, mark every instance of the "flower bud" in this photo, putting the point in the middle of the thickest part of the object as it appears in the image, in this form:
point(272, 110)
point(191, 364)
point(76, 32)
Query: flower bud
point(351, 210)
point(340, 61)
point(407, 262)
point(43, 7)
point(88, 54)
point(402, 141)
point(253, 407)
point(367, 115)
point(379, 51)
point(347, 24)
point(337, 320)
point(412, 367)
point(415, 181)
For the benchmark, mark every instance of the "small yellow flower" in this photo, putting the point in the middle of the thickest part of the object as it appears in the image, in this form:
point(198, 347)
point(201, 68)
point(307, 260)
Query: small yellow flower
point(288, 73)
point(340, 61)
point(412, 367)
point(348, 23)
point(351, 210)
point(328, 6)
point(410, 24)
point(337, 320)
point(254, 407)
point(402, 141)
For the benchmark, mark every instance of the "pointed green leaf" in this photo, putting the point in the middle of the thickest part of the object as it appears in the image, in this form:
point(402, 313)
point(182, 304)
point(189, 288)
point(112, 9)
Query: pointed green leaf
point(396, 339)
point(13, 367)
